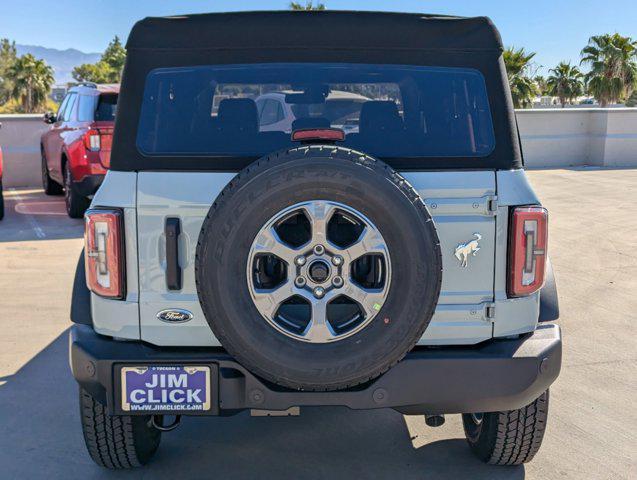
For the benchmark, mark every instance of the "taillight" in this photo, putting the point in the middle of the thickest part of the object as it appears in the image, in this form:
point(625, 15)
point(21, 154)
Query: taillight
point(104, 252)
point(528, 238)
point(318, 134)
point(93, 140)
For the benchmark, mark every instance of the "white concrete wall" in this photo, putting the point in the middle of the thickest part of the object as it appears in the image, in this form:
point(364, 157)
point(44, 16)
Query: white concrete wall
point(20, 143)
point(550, 138)
point(575, 137)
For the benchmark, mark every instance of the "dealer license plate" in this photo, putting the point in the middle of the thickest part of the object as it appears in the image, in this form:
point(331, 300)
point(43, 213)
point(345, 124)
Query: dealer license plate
point(165, 388)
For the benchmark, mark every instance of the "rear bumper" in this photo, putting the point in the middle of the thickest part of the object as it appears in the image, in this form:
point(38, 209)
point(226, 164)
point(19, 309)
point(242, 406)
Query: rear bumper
point(494, 376)
point(88, 185)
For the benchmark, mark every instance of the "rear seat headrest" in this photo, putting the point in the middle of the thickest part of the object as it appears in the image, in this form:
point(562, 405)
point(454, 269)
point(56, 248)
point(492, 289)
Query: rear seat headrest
point(238, 114)
point(380, 116)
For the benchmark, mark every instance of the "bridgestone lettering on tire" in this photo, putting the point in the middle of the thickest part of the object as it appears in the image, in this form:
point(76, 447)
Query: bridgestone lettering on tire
point(373, 194)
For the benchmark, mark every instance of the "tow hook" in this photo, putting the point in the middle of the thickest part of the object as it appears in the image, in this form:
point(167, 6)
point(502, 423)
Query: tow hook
point(157, 421)
point(435, 420)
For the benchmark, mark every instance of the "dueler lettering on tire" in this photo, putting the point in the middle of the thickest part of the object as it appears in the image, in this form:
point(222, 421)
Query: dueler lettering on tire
point(318, 268)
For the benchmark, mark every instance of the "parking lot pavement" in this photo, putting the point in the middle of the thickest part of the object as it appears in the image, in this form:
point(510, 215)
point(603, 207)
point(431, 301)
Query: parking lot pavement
point(592, 423)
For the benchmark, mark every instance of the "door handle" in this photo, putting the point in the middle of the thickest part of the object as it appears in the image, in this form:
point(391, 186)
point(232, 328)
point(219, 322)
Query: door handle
point(172, 231)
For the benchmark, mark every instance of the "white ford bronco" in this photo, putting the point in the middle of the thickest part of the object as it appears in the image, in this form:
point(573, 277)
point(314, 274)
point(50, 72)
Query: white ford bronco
point(308, 209)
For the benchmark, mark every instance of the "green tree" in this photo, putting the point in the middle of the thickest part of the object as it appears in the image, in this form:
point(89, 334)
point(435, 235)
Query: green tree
point(613, 63)
point(540, 81)
point(523, 87)
point(565, 82)
point(8, 56)
point(108, 69)
point(632, 100)
point(99, 72)
point(31, 80)
point(309, 5)
point(115, 55)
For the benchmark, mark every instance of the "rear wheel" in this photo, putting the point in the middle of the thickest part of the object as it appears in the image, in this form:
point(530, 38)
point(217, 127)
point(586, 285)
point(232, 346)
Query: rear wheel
point(116, 442)
point(76, 204)
point(49, 185)
point(508, 438)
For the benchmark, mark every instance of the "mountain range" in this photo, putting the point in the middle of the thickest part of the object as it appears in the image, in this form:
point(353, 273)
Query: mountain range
point(62, 61)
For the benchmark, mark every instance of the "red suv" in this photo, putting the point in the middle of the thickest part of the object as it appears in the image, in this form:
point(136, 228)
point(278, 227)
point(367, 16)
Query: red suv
point(76, 150)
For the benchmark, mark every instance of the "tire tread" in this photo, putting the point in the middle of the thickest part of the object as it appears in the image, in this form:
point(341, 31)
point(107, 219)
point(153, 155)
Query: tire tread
point(110, 440)
point(511, 437)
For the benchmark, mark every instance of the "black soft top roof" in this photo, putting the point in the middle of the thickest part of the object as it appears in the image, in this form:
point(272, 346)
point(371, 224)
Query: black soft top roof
point(325, 29)
point(313, 37)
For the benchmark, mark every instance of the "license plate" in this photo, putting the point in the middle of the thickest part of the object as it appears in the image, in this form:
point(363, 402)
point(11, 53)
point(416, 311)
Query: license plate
point(165, 388)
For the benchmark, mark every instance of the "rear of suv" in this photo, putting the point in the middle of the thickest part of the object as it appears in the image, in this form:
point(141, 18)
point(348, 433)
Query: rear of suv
point(76, 149)
point(392, 256)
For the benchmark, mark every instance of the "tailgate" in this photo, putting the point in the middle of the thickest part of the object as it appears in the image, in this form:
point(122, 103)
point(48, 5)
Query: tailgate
point(461, 203)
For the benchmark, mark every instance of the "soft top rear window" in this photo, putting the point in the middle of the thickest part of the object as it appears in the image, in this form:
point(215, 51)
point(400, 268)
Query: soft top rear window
point(251, 110)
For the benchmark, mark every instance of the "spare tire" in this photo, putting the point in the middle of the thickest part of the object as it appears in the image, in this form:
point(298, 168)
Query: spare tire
point(318, 268)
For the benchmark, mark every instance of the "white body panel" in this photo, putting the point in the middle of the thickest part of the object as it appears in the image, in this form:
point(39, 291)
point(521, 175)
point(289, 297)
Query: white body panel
point(461, 203)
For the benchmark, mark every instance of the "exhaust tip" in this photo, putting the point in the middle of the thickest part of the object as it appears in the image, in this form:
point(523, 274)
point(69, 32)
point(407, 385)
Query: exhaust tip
point(435, 420)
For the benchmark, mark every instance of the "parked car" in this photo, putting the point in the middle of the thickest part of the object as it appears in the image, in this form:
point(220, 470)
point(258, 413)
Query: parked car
point(340, 110)
point(399, 265)
point(1, 197)
point(76, 150)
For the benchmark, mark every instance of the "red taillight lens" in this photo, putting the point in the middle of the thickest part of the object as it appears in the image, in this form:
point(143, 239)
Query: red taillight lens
point(93, 140)
point(318, 134)
point(528, 241)
point(104, 252)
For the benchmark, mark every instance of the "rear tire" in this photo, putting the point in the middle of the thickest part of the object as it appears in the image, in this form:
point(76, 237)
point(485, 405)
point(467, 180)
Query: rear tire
point(116, 442)
point(49, 185)
point(508, 438)
point(76, 204)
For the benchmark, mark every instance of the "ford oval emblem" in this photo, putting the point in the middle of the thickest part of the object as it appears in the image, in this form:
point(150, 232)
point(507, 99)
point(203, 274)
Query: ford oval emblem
point(175, 315)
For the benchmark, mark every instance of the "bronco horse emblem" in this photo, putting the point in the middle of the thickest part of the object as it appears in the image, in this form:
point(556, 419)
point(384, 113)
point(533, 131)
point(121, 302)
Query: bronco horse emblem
point(465, 249)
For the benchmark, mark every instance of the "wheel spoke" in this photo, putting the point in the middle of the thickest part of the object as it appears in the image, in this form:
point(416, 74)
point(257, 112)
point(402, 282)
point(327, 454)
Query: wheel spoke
point(370, 241)
point(269, 242)
point(269, 300)
point(369, 299)
point(319, 329)
point(319, 214)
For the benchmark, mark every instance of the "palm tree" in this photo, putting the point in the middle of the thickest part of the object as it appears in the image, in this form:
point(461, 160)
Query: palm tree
point(32, 80)
point(540, 81)
point(613, 62)
point(308, 6)
point(523, 87)
point(565, 82)
point(8, 55)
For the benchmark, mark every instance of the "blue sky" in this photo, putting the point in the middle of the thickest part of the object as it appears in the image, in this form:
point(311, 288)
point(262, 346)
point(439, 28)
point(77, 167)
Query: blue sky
point(555, 29)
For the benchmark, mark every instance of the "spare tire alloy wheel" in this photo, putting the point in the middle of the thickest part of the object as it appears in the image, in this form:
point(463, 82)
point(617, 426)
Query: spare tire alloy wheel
point(328, 273)
point(318, 268)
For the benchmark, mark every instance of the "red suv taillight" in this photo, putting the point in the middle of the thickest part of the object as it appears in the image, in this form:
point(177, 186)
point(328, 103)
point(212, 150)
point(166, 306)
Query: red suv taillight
point(93, 140)
point(528, 238)
point(104, 252)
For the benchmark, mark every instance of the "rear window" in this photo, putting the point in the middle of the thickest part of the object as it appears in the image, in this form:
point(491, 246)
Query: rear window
point(106, 108)
point(101, 108)
point(251, 110)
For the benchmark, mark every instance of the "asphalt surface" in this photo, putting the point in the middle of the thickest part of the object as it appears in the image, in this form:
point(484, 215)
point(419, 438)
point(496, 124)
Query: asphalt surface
point(592, 422)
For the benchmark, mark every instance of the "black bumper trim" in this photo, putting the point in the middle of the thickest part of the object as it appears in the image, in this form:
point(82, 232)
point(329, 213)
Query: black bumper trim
point(88, 185)
point(494, 376)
